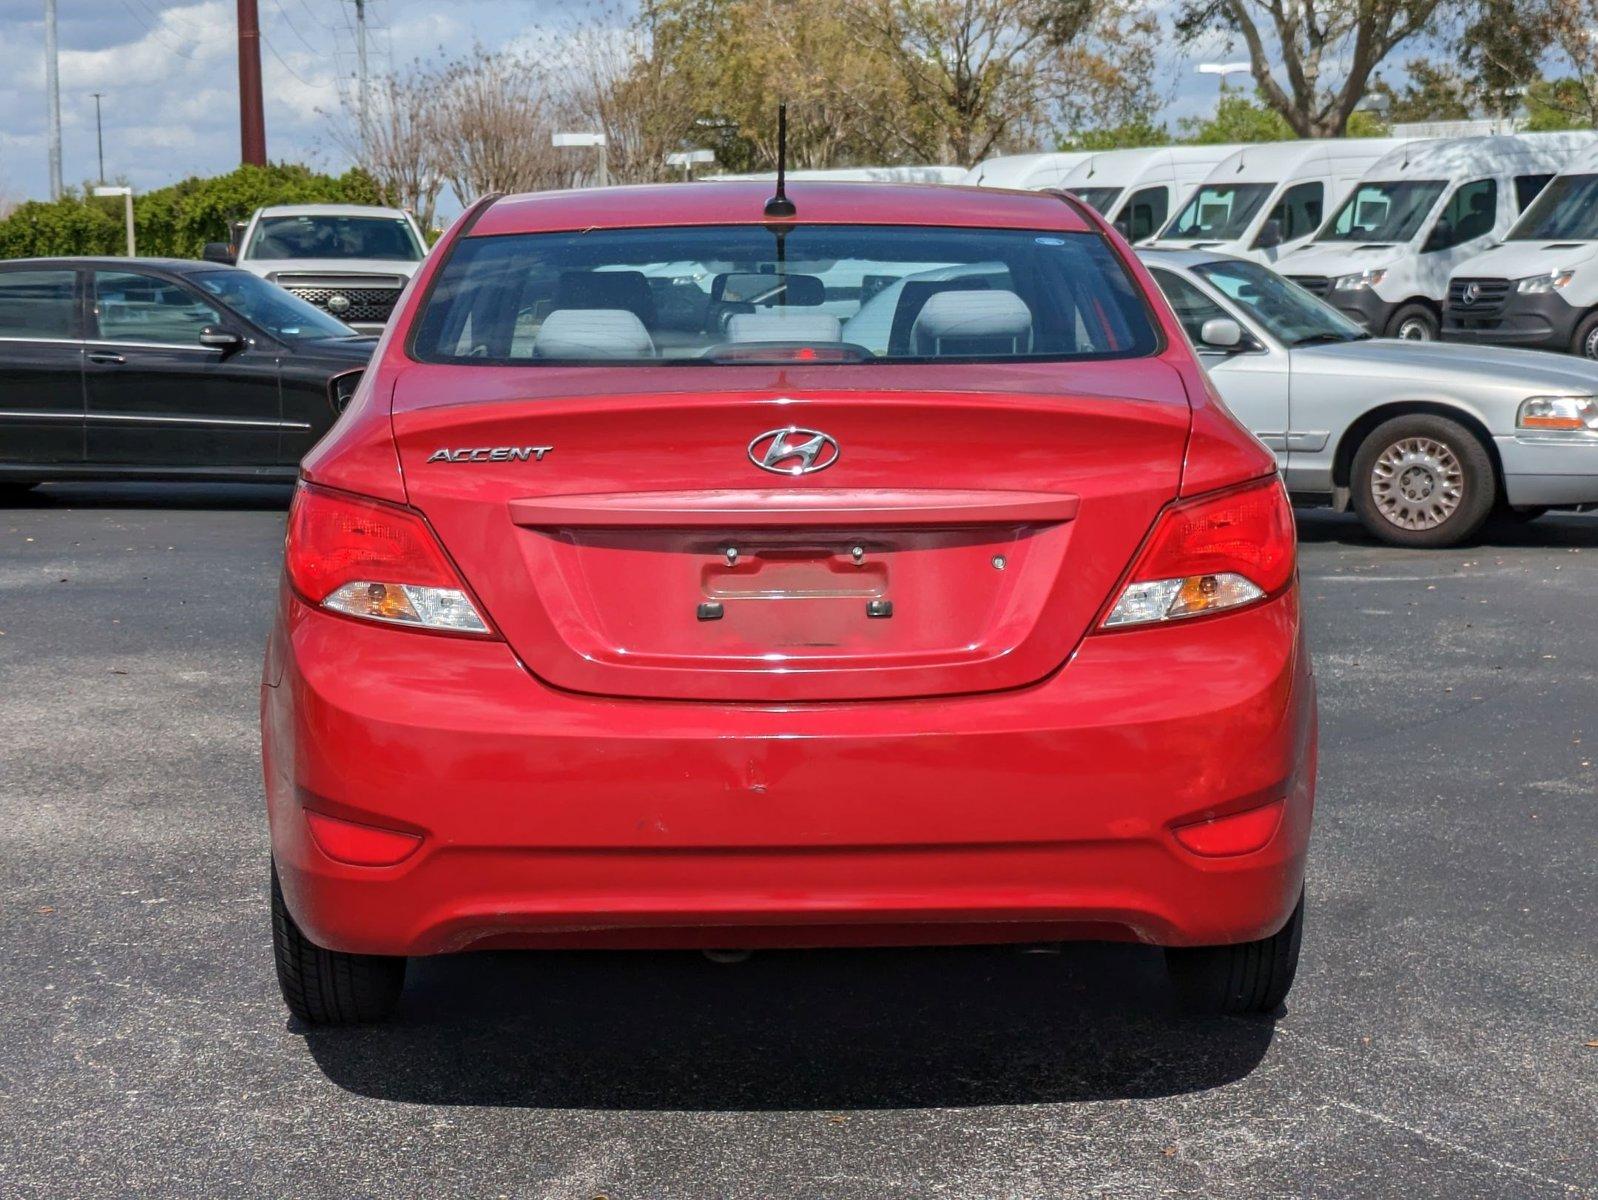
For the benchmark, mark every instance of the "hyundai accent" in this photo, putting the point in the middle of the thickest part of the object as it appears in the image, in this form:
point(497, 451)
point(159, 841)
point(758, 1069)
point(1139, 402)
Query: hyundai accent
point(874, 568)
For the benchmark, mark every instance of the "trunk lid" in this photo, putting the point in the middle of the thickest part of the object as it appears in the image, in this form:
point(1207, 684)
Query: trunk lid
point(961, 541)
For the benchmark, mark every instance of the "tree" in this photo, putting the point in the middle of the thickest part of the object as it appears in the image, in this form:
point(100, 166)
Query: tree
point(1237, 119)
point(1432, 92)
point(974, 74)
point(399, 147)
point(492, 120)
point(1313, 44)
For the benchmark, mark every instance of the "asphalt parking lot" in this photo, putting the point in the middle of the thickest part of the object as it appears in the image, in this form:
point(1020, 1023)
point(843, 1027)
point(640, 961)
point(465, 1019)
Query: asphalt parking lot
point(1442, 1039)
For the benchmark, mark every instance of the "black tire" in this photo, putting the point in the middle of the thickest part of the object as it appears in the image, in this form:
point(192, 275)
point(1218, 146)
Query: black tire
point(1416, 323)
point(1456, 465)
point(327, 987)
point(1250, 977)
point(1584, 342)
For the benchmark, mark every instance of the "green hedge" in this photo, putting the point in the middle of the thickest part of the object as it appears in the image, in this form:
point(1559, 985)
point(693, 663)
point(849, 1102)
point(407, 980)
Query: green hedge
point(173, 221)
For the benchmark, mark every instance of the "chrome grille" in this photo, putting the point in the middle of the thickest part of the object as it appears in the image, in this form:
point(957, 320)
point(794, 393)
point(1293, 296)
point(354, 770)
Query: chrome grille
point(1487, 298)
point(371, 304)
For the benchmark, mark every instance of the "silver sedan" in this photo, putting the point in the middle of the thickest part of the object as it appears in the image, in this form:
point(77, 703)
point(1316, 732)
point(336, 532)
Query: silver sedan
point(1421, 439)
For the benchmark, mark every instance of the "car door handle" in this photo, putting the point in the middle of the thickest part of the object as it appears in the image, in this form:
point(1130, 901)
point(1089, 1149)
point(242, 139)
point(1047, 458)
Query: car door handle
point(105, 356)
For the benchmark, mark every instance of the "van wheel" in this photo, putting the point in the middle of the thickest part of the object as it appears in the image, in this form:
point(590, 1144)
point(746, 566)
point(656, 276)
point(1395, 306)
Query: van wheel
point(1422, 481)
point(1414, 323)
point(327, 987)
point(1251, 977)
point(1585, 341)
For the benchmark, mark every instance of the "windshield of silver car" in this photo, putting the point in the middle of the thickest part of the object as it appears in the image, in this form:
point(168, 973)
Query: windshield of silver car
point(1289, 314)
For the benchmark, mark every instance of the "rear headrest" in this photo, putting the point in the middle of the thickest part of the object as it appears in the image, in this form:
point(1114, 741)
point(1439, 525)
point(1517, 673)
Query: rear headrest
point(972, 322)
point(592, 333)
point(607, 289)
point(777, 325)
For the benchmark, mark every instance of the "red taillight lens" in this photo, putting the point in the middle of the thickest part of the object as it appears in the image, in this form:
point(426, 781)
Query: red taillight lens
point(1239, 833)
point(360, 845)
point(1211, 553)
point(366, 558)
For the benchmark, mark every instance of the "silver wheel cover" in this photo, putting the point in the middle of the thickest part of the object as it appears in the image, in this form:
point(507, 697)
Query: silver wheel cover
point(1589, 347)
point(1417, 483)
point(1415, 330)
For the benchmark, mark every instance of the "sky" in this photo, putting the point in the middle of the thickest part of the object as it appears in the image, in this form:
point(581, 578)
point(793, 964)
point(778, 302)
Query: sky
point(169, 72)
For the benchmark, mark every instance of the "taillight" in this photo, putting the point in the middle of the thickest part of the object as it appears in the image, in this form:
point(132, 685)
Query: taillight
point(1215, 552)
point(370, 559)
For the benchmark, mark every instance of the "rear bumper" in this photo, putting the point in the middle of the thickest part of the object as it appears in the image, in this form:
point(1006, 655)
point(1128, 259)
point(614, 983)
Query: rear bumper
point(554, 819)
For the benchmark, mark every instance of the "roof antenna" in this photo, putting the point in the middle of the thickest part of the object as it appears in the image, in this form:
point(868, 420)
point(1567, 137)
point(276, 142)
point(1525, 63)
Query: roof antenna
point(779, 205)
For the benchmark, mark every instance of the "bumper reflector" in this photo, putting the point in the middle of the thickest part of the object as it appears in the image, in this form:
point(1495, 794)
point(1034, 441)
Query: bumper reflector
point(359, 845)
point(1239, 833)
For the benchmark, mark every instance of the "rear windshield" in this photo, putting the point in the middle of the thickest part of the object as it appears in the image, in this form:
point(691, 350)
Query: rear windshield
point(814, 294)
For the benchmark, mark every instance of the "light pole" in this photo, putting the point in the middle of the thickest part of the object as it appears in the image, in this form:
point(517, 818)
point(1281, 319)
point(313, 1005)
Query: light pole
point(587, 139)
point(127, 197)
point(1222, 70)
point(52, 88)
point(99, 138)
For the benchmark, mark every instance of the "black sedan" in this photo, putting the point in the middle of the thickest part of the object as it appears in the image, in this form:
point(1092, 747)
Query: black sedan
point(123, 368)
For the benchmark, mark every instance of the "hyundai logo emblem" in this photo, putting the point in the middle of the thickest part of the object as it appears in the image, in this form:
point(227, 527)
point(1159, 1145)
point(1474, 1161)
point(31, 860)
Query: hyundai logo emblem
point(793, 451)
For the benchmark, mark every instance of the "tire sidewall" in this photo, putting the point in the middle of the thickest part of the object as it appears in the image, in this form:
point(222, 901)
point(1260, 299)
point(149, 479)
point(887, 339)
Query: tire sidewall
point(1585, 332)
point(1481, 484)
point(1415, 313)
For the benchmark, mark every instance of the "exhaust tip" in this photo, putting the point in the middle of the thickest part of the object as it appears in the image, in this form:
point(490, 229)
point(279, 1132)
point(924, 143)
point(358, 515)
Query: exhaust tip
point(727, 958)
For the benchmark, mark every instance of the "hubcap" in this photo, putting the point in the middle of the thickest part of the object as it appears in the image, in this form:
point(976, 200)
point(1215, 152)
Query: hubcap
point(1589, 348)
point(1414, 330)
point(1417, 483)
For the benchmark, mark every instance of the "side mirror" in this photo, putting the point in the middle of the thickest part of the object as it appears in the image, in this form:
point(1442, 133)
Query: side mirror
point(221, 339)
point(1221, 333)
point(218, 252)
point(1270, 235)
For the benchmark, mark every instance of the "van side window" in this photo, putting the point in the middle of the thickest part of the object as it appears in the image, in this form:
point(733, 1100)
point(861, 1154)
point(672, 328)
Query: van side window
point(1144, 214)
point(1299, 211)
point(1470, 213)
point(1527, 188)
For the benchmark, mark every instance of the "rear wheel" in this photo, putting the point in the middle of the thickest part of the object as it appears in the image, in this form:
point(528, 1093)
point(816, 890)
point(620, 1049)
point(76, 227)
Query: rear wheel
point(1414, 323)
point(1422, 481)
point(327, 987)
point(1250, 977)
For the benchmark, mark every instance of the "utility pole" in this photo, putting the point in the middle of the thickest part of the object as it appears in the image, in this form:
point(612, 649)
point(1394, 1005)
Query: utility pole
point(99, 137)
point(252, 117)
point(362, 90)
point(52, 87)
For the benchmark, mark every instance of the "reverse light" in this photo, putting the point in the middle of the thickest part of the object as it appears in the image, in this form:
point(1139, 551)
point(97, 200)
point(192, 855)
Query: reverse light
point(1550, 281)
point(376, 561)
point(1359, 280)
point(1211, 554)
point(1560, 413)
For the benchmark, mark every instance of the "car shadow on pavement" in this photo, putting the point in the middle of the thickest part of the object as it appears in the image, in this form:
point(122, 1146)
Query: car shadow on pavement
point(242, 497)
point(835, 1029)
point(1555, 530)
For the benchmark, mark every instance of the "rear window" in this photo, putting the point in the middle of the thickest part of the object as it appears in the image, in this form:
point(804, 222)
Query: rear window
point(815, 294)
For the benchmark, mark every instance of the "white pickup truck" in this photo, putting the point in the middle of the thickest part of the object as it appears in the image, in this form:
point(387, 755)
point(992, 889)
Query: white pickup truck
point(351, 260)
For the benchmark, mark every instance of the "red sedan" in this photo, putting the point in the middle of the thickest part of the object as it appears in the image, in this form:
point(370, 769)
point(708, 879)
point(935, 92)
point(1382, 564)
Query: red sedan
point(688, 573)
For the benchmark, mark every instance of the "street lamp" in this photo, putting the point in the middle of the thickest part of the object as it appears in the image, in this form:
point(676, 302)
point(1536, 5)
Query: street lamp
point(689, 159)
point(127, 196)
point(587, 139)
point(1223, 70)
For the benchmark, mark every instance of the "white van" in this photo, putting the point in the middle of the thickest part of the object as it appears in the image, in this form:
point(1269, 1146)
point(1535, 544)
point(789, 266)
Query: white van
point(1267, 199)
point(928, 173)
point(1026, 171)
point(1540, 288)
point(1136, 190)
point(1385, 256)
